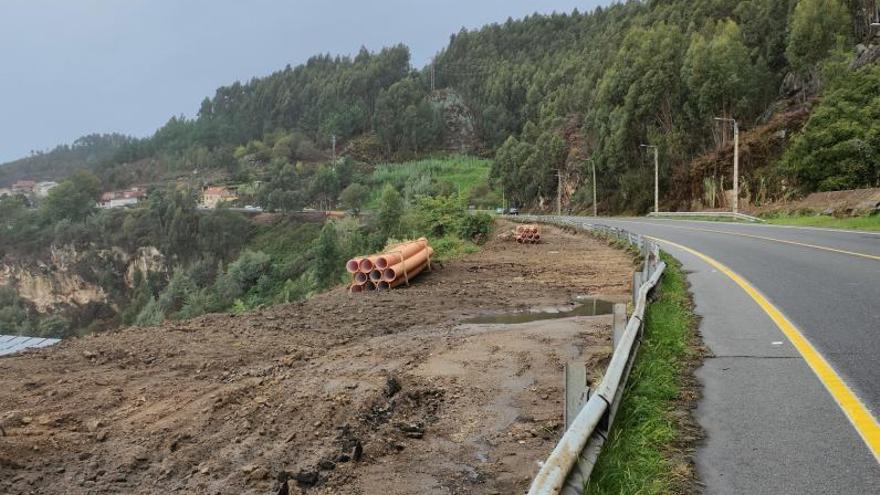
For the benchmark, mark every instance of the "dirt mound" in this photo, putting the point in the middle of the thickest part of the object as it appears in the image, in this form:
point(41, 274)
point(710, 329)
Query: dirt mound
point(381, 393)
point(838, 203)
point(760, 148)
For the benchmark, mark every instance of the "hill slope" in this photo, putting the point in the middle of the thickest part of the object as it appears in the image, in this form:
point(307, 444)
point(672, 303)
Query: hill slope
point(546, 92)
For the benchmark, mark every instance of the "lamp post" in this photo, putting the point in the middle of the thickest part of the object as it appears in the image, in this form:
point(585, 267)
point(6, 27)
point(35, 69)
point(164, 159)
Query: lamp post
point(735, 161)
point(656, 176)
point(593, 163)
point(559, 192)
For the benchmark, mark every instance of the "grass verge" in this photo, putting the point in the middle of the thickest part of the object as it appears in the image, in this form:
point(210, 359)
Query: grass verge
point(851, 223)
point(650, 446)
point(703, 218)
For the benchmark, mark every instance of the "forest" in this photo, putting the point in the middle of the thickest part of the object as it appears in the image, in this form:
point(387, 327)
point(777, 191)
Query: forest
point(219, 260)
point(508, 112)
point(546, 95)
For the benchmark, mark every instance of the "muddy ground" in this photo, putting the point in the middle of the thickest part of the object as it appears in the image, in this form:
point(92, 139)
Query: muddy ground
point(376, 393)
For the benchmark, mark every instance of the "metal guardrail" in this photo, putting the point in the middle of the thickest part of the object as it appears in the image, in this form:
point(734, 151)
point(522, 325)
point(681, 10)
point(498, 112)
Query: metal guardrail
point(719, 214)
point(568, 468)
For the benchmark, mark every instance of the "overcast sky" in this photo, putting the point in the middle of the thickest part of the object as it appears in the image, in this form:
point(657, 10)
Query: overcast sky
point(73, 67)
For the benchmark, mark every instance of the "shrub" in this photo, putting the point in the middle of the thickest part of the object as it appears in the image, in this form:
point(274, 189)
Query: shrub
point(151, 315)
point(840, 145)
point(475, 227)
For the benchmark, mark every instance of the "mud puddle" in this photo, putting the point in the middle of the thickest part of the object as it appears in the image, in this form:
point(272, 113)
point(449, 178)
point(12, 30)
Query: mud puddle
point(585, 306)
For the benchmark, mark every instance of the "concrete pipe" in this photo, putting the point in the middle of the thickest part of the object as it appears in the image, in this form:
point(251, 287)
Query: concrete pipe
point(405, 268)
point(400, 252)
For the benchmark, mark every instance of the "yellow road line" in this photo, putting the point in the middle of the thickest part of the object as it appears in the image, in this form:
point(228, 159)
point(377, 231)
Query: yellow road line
point(773, 239)
point(852, 406)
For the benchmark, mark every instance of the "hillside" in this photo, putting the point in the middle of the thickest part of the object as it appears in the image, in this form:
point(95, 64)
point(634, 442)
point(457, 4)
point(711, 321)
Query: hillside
point(546, 93)
point(595, 88)
point(383, 393)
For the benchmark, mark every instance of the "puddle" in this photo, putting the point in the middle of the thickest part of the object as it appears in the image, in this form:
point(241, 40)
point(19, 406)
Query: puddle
point(589, 306)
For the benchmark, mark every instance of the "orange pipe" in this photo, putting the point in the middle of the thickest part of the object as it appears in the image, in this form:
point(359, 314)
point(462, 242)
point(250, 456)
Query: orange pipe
point(353, 265)
point(404, 268)
point(355, 288)
point(367, 263)
point(410, 274)
point(375, 275)
point(396, 254)
point(360, 278)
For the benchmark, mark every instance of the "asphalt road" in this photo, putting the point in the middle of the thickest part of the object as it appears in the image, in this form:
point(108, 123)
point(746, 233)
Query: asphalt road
point(773, 424)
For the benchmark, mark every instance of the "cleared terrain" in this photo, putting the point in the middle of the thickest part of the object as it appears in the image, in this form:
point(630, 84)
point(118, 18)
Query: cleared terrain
point(377, 393)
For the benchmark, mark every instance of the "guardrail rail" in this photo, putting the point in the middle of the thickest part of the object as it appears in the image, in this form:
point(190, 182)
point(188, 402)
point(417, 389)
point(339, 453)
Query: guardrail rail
point(698, 214)
point(568, 468)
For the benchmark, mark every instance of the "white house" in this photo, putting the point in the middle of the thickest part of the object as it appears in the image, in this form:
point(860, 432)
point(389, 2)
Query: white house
point(42, 188)
point(119, 199)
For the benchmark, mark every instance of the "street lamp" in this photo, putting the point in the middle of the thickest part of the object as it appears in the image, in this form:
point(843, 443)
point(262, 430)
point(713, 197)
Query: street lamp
point(559, 191)
point(656, 176)
point(593, 164)
point(735, 161)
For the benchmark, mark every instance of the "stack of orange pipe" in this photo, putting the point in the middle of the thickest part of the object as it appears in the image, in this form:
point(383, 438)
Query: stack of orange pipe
point(396, 266)
point(528, 234)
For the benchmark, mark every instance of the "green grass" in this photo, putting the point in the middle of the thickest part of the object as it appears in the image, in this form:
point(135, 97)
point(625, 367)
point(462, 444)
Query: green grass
point(638, 456)
point(854, 223)
point(460, 174)
point(706, 218)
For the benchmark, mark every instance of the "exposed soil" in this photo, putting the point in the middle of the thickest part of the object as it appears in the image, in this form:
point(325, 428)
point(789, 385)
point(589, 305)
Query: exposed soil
point(838, 203)
point(375, 393)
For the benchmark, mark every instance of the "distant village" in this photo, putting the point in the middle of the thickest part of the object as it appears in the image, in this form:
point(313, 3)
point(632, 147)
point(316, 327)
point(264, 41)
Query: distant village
point(212, 197)
point(29, 189)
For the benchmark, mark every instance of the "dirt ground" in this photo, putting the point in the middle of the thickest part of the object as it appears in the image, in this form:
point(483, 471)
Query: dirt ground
point(375, 393)
point(838, 203)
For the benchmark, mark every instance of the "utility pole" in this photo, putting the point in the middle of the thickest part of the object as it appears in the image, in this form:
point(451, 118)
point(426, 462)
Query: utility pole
point(593, 163)
point(334, 150)
point(559, 192)
point(656, 176)
point(735, 161)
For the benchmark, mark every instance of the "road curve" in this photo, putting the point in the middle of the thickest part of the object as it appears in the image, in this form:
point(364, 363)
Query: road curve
point(775, 423)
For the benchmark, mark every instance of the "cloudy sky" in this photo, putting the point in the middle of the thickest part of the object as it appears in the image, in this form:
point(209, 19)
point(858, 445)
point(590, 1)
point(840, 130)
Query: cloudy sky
point(73, 67)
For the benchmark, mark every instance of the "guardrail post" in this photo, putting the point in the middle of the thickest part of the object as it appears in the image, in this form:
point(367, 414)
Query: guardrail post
point(637, 283)
point(577, 390)
point(619, 324)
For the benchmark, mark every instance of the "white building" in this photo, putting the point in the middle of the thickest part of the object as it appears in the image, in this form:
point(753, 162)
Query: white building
point(41, 190)
point(119, 199)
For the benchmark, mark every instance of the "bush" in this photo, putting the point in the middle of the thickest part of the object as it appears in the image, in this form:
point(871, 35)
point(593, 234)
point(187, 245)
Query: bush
point(840, 145)
point(174, 296)
point(197, 303)
point(438, 216)
point(54, 326)
point(449, 247)
point(152, 314)
point(248, 268)
point(390, 211)
point(475, 227)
